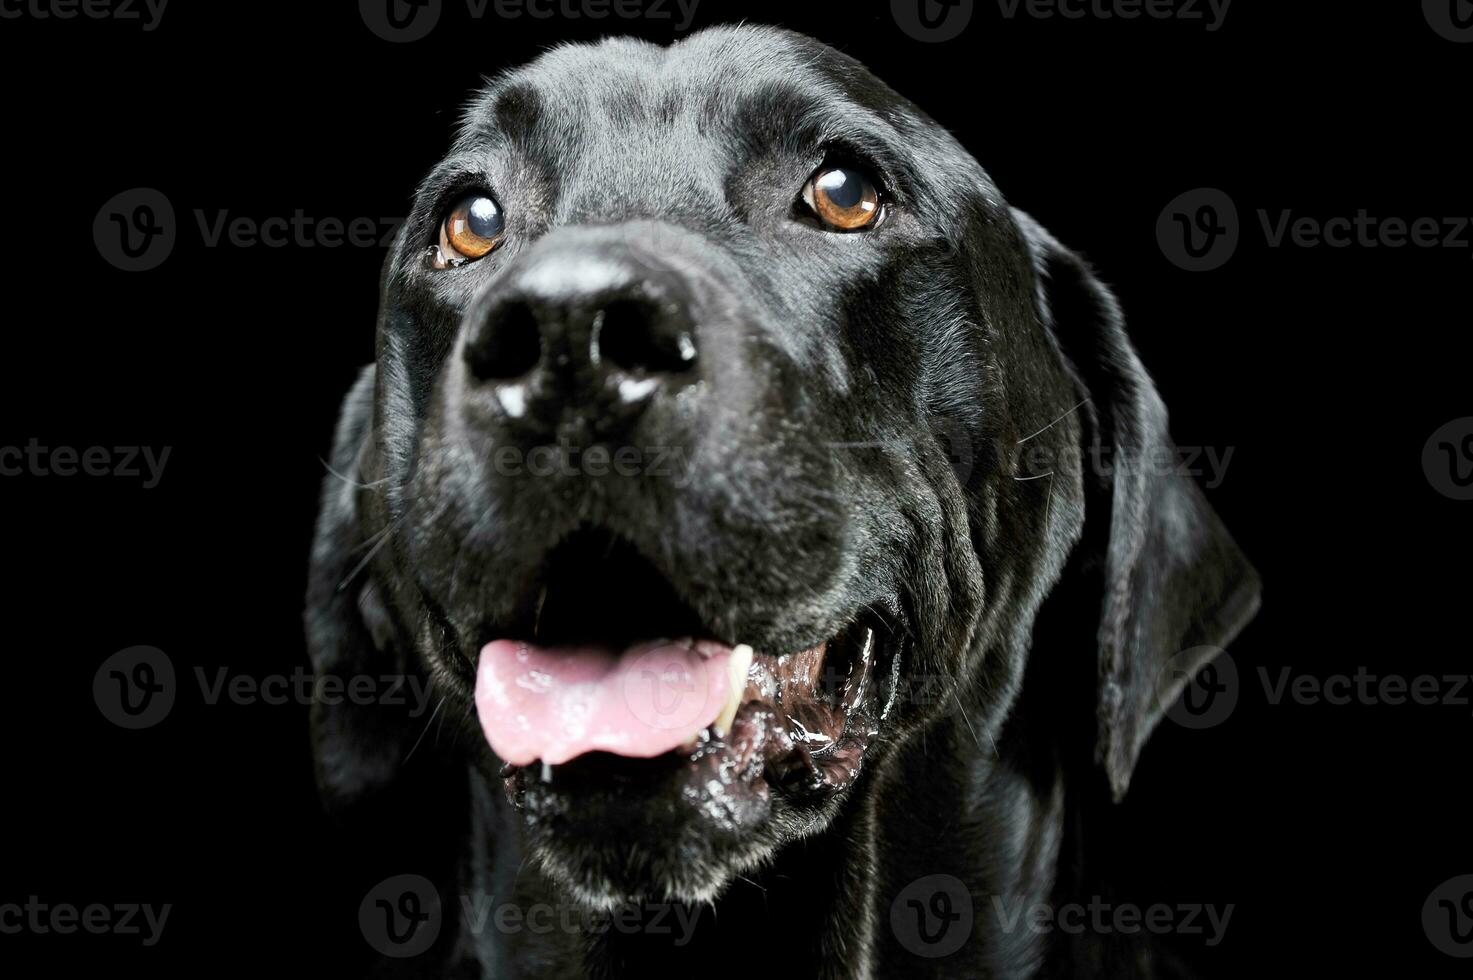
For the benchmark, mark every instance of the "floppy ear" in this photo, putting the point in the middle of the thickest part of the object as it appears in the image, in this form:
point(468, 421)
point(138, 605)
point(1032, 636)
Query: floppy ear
point(358, 743)
point(1175, 583)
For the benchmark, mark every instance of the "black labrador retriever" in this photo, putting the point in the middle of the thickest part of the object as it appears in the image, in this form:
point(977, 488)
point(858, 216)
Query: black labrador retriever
point(785, 523)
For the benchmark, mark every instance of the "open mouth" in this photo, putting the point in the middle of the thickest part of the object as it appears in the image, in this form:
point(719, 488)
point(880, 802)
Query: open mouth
point(613, 674)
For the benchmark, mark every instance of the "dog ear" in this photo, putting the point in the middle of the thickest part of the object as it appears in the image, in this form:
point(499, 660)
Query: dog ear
point(358, 743)
point(1176, 586)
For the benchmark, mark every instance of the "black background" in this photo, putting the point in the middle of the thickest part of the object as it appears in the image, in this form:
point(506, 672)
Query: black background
point(1326, 369)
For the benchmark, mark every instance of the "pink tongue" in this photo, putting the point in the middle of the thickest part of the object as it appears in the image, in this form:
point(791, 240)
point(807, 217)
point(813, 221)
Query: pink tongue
point(555, 703)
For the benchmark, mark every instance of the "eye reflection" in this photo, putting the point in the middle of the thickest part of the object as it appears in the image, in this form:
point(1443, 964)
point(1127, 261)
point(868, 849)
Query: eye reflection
point(843, 198)
point(469, 230)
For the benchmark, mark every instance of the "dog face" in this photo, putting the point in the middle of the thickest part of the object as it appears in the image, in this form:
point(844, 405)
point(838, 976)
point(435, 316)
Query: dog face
point(693, 468)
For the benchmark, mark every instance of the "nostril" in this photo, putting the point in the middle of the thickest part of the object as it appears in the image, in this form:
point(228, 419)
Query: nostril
point(629, 335)
point(510, 345)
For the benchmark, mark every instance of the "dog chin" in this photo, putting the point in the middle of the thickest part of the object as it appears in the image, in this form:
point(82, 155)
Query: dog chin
point(614, 831)
point(608, 880)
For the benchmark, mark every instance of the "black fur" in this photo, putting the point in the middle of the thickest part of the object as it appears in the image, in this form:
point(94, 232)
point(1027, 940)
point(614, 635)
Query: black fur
point(890, 421)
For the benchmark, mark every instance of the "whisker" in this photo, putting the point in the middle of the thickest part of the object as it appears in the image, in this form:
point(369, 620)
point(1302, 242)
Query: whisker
point(383, 539)
point(349, 480)
point(1054, 422)
point(426, 729)
point(968, 722)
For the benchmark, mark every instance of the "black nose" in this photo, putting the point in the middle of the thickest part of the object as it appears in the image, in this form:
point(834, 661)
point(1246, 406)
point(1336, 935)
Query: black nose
point(587, 328)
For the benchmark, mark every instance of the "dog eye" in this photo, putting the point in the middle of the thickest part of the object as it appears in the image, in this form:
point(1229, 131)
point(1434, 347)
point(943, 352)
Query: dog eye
point(843, 198)
point(471, 228)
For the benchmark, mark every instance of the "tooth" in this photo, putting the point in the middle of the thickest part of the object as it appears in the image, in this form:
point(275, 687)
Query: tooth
point(741, 660)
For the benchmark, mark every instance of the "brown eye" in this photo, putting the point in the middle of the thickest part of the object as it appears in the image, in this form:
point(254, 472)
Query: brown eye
point(471, 229)
point(843, 198)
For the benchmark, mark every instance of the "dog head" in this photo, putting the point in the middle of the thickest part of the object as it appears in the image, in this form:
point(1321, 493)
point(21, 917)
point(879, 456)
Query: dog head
point(719, 442)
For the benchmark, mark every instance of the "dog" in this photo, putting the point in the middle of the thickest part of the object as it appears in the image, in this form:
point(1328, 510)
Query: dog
point(779, 517)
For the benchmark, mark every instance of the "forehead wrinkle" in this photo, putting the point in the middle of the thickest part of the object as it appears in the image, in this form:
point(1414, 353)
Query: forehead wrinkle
point(633, 120)
point(800, 119)
point(626, 170)
point(654, 82)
